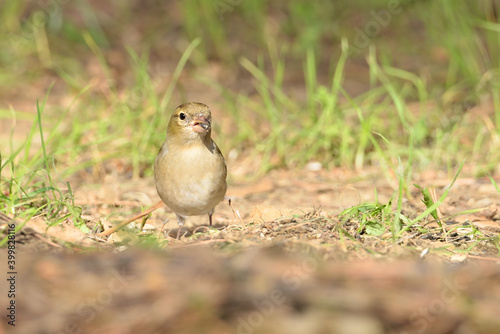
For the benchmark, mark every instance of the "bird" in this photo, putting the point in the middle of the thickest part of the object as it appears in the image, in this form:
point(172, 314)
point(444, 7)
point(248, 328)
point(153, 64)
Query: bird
point(190, 171)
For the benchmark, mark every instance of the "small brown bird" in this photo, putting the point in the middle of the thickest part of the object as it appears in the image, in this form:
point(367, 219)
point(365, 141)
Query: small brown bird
point(190, 172)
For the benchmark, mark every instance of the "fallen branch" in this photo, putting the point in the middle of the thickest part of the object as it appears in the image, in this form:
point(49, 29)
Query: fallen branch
point(115, 228)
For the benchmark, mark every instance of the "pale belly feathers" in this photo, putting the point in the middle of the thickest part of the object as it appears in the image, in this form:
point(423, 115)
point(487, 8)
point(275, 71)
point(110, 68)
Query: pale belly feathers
point(193, 190)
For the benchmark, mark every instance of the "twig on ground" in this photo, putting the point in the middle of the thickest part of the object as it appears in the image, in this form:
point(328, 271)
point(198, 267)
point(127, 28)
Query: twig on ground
point(235, 212)
point(115, 228)
point(205, 242)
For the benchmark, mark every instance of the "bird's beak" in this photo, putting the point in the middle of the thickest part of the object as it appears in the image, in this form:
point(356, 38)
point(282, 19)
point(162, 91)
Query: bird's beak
point(200, 124)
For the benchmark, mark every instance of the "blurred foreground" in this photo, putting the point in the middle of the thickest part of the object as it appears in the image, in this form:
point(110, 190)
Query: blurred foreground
point(267, 289)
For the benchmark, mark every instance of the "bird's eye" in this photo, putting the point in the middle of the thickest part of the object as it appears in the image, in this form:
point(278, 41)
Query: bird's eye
point(182, 116)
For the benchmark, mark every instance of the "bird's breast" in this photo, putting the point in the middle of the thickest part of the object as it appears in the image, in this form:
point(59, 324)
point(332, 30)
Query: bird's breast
point(191, 181)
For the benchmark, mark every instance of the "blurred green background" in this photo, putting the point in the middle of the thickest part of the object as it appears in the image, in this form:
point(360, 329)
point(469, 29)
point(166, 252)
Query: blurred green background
point(345, 83)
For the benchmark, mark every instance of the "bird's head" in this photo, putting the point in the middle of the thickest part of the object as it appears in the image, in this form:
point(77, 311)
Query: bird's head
point(190, 121)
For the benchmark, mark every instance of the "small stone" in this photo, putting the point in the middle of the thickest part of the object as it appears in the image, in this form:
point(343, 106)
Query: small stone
point(314, 166)
point(458, 258)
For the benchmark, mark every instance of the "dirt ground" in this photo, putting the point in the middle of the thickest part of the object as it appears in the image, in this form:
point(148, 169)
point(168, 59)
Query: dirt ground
point(282, 261)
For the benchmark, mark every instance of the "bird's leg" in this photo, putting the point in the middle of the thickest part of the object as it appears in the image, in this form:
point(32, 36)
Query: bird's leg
point(180, 220)
point(210, 217)
point(163, 226)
